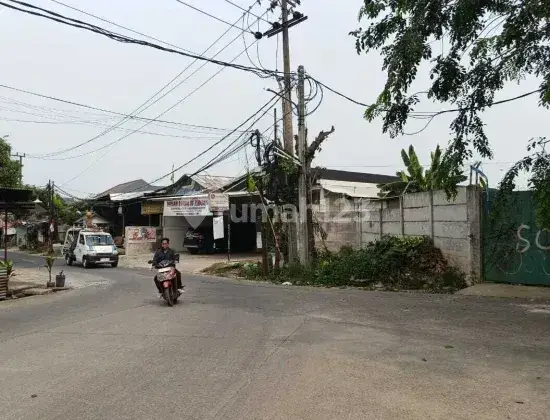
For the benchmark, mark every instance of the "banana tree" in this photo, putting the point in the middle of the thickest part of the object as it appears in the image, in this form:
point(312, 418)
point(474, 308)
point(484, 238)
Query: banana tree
point(443, 174)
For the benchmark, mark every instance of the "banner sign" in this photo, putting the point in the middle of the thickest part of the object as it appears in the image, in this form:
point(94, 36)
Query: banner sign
point(141, 234)
point(152, 207)
point(218, 202)
point(187, 207)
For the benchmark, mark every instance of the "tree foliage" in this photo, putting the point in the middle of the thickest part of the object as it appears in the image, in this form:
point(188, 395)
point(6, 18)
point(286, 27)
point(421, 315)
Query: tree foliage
point(487, 44)
point(9, 168)
point(443, 174)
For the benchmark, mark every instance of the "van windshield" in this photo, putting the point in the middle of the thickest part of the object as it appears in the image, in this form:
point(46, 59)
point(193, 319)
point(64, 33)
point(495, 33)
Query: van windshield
point(93, 240)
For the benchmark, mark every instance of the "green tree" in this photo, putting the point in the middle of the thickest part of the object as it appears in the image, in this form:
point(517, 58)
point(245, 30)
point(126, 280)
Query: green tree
point(9, 168)
point(443, 174)
point(66, 212)
point(486, 45)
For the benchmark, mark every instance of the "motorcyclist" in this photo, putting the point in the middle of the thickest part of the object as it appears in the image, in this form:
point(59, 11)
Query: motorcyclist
point(165, 253)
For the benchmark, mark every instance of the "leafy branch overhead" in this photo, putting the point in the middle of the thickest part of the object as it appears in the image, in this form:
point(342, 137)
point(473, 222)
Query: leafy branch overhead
point(486, 44)
point(443, 174)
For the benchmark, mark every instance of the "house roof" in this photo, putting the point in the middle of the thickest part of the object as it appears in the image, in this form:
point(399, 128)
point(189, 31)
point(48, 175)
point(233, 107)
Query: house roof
point(212, 182)
point(199, 183)
point(351, 189)
point(128, 190)
point(336, 175)
point(138, 185)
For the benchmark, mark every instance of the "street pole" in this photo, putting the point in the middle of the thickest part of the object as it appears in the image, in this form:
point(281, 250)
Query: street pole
point(50, 183)
point(302, 183)
point(288, 135)
point(17, 155)
point(287, 101)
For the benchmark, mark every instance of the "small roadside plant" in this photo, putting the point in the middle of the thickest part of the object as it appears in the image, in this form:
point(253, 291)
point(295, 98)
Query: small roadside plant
point(8, 265)
point(48, 264)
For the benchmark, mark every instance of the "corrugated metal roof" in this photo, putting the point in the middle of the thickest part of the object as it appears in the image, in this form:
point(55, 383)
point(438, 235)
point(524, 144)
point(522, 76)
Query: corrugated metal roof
point(127, 196)
point(203, 182)
point(351, 189)
point(212, 182)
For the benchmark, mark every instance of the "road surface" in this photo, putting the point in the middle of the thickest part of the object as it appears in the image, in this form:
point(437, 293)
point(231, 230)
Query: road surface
point(240, 350)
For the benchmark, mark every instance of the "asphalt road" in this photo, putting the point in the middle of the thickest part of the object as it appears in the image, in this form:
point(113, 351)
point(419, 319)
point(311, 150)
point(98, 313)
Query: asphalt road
point(240, 350)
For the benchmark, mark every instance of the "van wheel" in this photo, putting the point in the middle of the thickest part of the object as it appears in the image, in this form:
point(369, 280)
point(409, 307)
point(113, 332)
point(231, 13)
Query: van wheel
point(85, 263)
point(114, 265)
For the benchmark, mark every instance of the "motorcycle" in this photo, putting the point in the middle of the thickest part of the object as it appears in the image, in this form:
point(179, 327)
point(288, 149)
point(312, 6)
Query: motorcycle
point(167, 278)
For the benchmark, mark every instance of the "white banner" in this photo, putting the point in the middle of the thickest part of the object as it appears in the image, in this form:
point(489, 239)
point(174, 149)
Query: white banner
point(187, 207)
point(218, 227)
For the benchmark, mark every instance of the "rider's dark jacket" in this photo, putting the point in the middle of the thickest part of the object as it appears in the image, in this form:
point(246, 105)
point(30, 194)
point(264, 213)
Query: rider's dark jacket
point(163, 255)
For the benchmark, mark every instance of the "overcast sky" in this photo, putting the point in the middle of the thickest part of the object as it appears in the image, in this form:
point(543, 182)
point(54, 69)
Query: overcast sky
point(56, 60)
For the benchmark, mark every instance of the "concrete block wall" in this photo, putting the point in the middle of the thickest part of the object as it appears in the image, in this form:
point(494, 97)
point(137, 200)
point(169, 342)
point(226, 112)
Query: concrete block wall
point(454, 226)
point(340, 222)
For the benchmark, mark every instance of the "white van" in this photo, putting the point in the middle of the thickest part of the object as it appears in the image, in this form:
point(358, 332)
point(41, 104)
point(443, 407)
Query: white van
point(90, 247)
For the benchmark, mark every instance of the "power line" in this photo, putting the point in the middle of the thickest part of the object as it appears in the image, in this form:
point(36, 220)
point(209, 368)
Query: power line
point(458, 109)
point(119, 26)
point(139, 109)
point(244, 10)
point(210, 15)
point(268, 104)
point(150, 133)
point(176, 104)
point(147, 123)
point(124, 39)
point(426, 114)
point(109, 111)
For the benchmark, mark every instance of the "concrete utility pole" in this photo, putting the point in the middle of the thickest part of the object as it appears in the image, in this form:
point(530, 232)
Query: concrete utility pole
point(17, 155)
point(303, 248)
point(288, 134)
point(287, 101)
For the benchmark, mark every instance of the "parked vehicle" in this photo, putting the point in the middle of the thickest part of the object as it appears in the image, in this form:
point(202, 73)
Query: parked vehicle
point(166, 276)
point(90, 247)
point(201, 240)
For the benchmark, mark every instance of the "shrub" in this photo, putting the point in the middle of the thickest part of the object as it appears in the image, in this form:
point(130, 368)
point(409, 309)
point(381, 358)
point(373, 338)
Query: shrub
point(392, 262)
point(8, 265)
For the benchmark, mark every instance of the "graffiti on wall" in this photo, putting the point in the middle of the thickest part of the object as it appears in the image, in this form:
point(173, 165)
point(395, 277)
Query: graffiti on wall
point(529, 256)
point(141, 234)
point(514, 250)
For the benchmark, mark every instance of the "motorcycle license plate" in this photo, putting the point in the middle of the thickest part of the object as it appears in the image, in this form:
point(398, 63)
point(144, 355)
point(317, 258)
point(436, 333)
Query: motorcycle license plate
point(105, 260)
point(166, 284)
